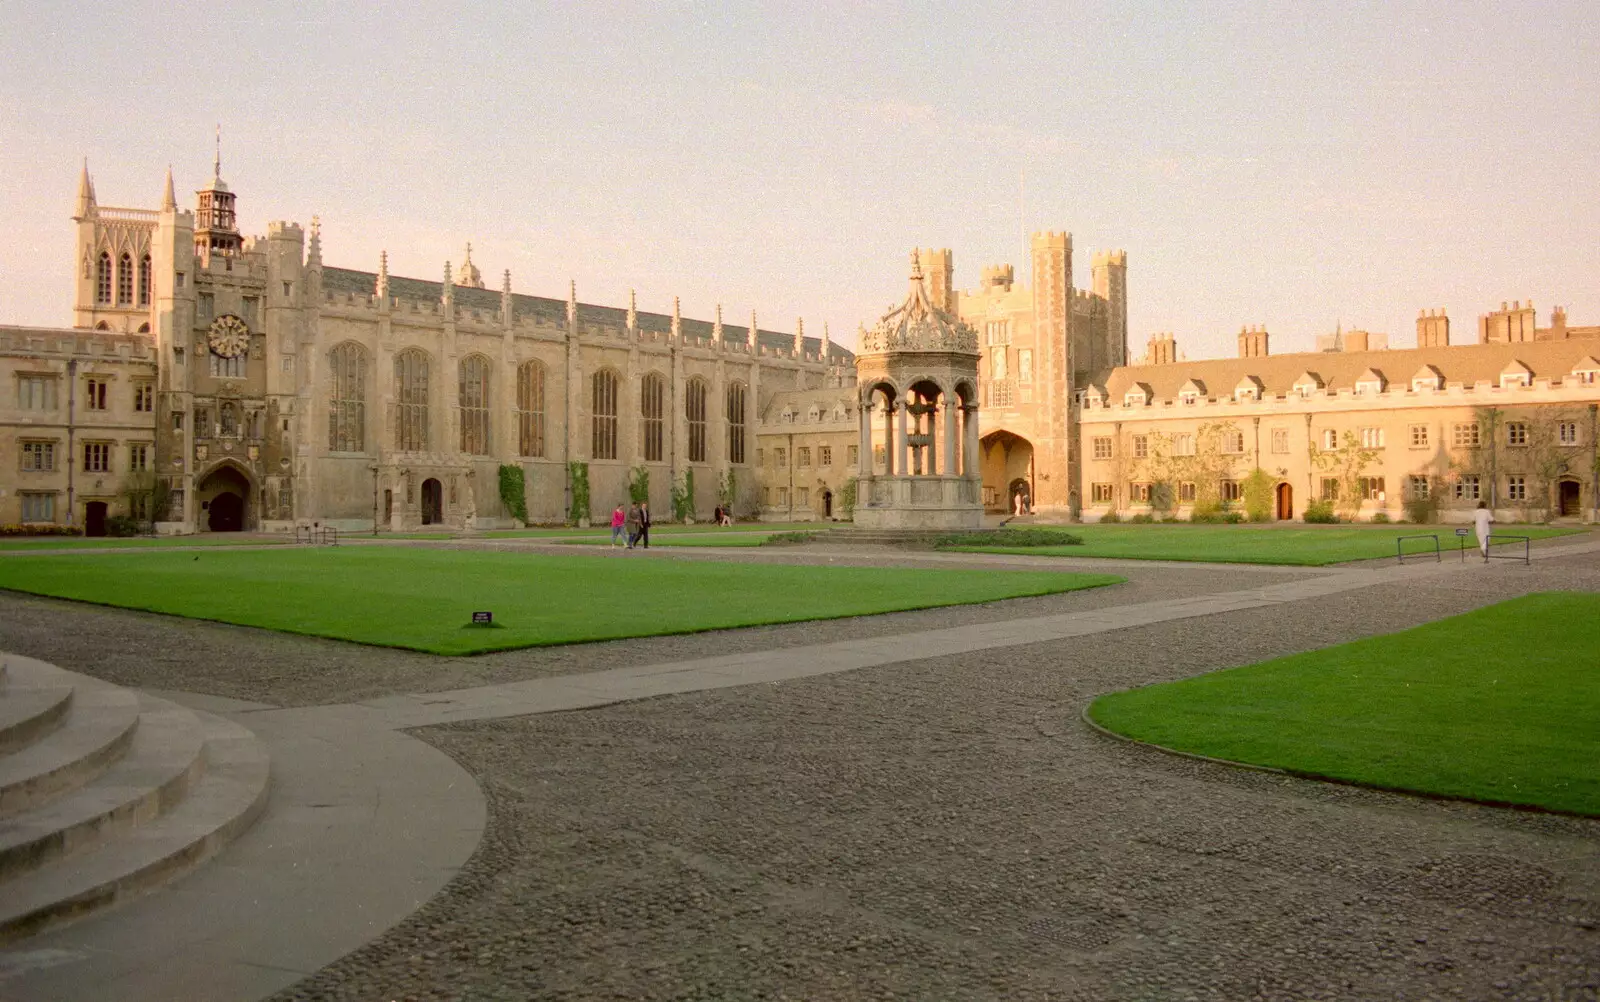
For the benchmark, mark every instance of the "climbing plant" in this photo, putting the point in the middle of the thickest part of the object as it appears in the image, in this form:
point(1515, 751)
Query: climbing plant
point(639, 485)
point(683, 498)
point(579, 472)
point(513, 492)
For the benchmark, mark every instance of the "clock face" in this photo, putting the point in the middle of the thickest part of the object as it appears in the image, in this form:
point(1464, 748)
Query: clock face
point(229, 336)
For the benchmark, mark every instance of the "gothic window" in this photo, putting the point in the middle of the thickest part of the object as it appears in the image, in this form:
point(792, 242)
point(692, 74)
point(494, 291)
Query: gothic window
point(125, 281)
point(102, 279)
point(229, 368)
point(347, 399)
point(736, 418)
point(530, 410)
point(651, 394)
point(694, 407)
point(474, 403)
point(603, 406)
point(144, 280)
point(411, 395)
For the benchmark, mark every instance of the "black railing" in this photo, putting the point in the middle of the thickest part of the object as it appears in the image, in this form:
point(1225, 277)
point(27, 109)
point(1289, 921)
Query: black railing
point(1525, 556)
point(316, 535)
point(1400, 547)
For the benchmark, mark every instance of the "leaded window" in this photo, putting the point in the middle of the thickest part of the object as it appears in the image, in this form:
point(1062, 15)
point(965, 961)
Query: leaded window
point(474, 404)
point(694, 407)
point(144, 280)
point(736, 419)
point(530, 410)
point(102, 279)
point(411, 395)
point(347, 399)
point(603, 407)
point(652, 394)
point(125, 281)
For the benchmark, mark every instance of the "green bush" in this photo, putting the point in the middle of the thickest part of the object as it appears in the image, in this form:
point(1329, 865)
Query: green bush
point(1258, 496)
point(1210, 517)
point(1423, 511)
point(683, 498)
point(1143, 518)
point(513, 492)
point(38, 529)
point(123, 525)
point(847, 500)
point(579, 472)
point(788, 538)
point(1380, 518)
point(1033, 536)
point(1321, 511)
point(1109, 518)
point(639, 485)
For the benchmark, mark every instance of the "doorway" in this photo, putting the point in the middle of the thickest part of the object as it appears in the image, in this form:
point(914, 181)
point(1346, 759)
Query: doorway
point(827, 504)
point(1021, 498)
point(388, 506)
point(432, 502)
point(1571, 499)
point(1285, 502)
point(94, 518)
point(222, 496)
point(226, 513)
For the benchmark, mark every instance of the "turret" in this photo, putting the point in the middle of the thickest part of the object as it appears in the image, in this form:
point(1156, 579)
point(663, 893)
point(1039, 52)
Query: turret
point(85, 193)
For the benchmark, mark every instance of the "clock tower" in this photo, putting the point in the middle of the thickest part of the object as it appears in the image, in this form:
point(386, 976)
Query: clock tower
point(216, 226)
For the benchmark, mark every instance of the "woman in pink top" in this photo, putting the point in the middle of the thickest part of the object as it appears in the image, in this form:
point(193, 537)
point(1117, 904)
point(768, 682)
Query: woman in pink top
point(618, 518)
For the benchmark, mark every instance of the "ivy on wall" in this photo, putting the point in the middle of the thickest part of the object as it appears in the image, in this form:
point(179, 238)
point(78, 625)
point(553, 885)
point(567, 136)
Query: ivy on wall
point(513, 492)
point(579, 472)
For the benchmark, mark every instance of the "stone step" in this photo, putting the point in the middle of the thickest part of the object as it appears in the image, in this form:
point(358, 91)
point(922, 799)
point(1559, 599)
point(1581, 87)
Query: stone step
point(162, 761)
point(94, 734)
point(228, 796)
point(28, 714)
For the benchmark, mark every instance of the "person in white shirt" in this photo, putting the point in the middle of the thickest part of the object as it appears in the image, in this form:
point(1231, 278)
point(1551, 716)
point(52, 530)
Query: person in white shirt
point(1481, 519)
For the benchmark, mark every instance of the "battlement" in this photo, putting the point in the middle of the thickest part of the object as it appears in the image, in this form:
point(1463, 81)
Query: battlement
point(1001, 276)
point(1053, 238)
point(283, 229)
point(1109, 259)
point(76, 342)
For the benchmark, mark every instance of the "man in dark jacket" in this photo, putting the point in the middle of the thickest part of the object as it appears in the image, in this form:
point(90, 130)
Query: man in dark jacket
point(644, 523)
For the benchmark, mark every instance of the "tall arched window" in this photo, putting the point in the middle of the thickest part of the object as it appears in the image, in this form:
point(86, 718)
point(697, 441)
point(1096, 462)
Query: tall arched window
point(530, 410)
point(347, 398)
point(125, 281)
point(411, 395)
point(102, 279)
point(736, 411)
point(144, 280)
point(474, 403)
point(603, 405)
point(652, 394)
point(694, 409)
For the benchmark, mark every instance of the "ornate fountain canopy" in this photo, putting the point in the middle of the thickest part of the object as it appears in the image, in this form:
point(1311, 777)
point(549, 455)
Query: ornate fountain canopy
point(918, 325)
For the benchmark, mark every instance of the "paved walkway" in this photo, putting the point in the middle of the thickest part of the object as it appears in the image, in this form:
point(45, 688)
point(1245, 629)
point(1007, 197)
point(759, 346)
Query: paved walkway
point(367, 823)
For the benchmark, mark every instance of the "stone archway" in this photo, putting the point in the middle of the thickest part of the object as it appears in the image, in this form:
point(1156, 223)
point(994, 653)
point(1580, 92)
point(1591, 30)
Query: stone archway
point(432, 502)
point(1285, 499)
point(1005, 458)
point(1569, 498)
point(224, 499)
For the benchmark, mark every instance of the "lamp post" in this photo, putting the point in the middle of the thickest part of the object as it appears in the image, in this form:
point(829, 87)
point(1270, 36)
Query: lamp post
point(374, 469)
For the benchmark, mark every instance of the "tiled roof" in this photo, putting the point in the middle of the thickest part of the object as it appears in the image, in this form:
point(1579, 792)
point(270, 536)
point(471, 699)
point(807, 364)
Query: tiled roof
point(364, 283)
point(1339, 370)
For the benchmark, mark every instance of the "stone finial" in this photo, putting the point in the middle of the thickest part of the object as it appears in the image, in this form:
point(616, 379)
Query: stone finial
point(633, 312)
point(505, 286)
point(716, 329)
point(314, 248)
point(505, 299)
point(755, 347)
point(677, 320)
point(169, 201)
point(572, 303)
point(85, 190)
point(216, 164)
point(382, 289)
point(826, 338)
point(448, 296)
point(799, 337)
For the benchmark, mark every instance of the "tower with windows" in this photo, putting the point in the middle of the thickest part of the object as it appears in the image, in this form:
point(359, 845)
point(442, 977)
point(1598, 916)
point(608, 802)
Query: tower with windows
point(113, 267)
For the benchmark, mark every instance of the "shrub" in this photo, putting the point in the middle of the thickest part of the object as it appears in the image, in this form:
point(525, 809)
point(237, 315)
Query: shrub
point(1321, 511)
point(1033, 536)
point(683, 498)
point(639, 485)
point(39, 529)
point(1143, 518)
point(788, 538)
point(123, 525)
point(1217, 517)
point(1380, 517)
point(513, 492)
point(1110, 517)
point(847, 500)
point(1258, 496)
point(1424, 510)
point(579, 472)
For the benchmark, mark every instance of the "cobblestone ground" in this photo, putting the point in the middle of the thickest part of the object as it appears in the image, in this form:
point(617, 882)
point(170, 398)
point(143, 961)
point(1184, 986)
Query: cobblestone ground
point(950, 829)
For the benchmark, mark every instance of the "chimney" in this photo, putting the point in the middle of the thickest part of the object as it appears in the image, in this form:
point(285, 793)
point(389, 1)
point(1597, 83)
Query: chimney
point(1253, 342)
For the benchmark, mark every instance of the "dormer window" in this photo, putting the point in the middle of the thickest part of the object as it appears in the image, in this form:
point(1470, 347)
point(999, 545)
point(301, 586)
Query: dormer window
point(1307, 384)
point(1371, 382)
point(1586, 371)
point(1515, 375)
point(1249, 389)
point(1188, 397)
point(1427, 378)
point(814, 414)
point(1134, 398)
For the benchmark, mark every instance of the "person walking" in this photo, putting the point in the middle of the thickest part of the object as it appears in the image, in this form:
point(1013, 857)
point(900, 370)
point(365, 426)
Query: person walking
point(1482, 519)
point(644, 523)
point(633, 525)
point(619, 519)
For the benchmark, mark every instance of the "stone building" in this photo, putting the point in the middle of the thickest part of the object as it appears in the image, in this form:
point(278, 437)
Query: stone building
point(1510, 421)
point(249, 385)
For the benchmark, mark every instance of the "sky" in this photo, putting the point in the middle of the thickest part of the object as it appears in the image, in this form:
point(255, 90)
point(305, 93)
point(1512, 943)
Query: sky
point(1296, 166)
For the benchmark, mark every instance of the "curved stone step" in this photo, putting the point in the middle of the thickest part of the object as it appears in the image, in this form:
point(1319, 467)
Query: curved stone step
point(95, 734)
point(161, 762)
point(228, 796)
point(28, 714)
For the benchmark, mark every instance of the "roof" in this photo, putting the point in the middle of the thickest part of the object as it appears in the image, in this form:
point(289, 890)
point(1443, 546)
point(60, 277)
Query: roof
point(1465, 363)
point(365, 283)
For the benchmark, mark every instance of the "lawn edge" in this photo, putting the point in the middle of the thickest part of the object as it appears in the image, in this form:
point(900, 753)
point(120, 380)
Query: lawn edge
point(1307, 774)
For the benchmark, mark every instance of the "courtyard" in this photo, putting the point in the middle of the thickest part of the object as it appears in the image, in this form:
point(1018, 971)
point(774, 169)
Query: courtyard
point(901, 805)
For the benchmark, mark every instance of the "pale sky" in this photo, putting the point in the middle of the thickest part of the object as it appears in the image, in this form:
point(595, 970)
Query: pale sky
point(1289, 165)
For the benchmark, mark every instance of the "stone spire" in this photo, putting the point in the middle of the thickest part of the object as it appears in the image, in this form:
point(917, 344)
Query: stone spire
point(825, 339)
point(448, 295)
point(505, 299)
point(216, 164)
point(572, 304)
point(314, 248)
point(755, 344)
point(471, 277)
point(716, 329)
point(799, 337)
point(169, 201)
point(633, 312)
point(85, 191)
point(677, 320)
point(382, 287)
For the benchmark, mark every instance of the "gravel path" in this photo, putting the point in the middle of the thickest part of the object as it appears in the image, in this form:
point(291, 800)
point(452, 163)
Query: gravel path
point(950, 829)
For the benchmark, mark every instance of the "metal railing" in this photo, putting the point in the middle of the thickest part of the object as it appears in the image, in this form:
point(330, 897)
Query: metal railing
point(1400, 547)
point(1525, 556)
point(316, 535)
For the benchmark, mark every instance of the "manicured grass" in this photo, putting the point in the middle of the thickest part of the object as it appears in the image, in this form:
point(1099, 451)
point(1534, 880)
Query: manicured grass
point(731, 538)
point(1498, 705)
point(119, 542)
point(421, 598)
point(1308, 546)
point(598, 530)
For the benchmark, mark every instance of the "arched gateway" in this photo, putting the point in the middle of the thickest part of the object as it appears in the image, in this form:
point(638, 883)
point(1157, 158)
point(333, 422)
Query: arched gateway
point(917, 370)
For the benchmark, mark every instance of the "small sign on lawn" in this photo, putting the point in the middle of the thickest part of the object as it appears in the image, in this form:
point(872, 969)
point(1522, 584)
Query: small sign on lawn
point(483, 619)
point(1463, 532)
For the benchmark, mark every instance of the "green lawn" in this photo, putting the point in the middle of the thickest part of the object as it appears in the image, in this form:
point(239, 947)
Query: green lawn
point(731, 537)
point(602, 531)
point(1310, 545)
point(1500, 705)
point(118, 542)
point(421, 598)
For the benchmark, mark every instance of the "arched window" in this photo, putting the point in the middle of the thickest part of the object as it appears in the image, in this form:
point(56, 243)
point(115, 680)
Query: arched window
point(530, 410)
point(411, 395)
point(125, 281)
point(144, 280)
point(651, 394)
point(228, 414)
point(694, 408)
point(102, 279)
point(474, 403)
point(736, 409)
point(603, 405)
point(347, 399)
